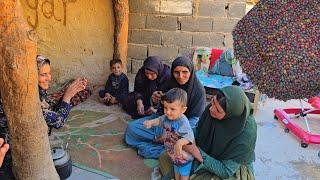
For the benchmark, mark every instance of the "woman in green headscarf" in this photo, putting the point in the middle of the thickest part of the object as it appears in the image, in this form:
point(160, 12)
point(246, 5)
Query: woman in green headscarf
point(225, 138)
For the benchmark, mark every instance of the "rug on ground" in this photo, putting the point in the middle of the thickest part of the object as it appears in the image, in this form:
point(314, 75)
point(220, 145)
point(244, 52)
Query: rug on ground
point(95, 140)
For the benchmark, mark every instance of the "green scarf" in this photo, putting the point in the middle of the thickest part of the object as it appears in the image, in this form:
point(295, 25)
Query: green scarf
point(234, 137)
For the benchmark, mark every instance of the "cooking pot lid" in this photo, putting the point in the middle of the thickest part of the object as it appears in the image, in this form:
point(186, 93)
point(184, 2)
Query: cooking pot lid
point(57, 153)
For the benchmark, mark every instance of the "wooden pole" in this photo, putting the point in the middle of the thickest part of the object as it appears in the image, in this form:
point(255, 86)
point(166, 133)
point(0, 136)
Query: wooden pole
point(121, 14)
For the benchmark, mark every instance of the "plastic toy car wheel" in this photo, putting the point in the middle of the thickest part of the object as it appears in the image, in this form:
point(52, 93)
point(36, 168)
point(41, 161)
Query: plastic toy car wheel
point(304, 145)
point(275, 117)
point(286, 130)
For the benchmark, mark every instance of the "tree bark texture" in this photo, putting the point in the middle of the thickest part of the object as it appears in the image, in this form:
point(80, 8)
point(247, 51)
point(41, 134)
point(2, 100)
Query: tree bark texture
point(19, 91)
point(121, 14)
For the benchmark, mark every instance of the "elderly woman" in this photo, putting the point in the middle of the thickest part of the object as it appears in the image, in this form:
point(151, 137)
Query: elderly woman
point(148, 141)
point(55, 112)
point(150, 78)
point(226, 137)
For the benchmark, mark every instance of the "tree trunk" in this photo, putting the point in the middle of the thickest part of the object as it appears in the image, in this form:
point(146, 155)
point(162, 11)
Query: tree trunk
point(121, 14)
point(19, 91)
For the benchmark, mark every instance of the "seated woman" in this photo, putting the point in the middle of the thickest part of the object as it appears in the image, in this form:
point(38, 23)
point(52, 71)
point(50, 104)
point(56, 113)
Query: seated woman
point(150, 78)
point(148, 141)
point(55, 112)
point(226, 139)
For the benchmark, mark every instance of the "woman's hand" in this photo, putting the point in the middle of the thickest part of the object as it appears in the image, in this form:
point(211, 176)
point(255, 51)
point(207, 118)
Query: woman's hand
point(156, 96)
point(150, 111)
point(3, 150)
point(140, 107)
point(113, 100)
point(194, 151)
point(107, 97)
point(84, 82)
point(178, 148)
point(76, 86)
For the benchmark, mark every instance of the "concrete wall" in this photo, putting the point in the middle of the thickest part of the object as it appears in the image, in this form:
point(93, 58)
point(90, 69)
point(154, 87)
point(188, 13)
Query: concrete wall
point(169, 28)
point(77, 36)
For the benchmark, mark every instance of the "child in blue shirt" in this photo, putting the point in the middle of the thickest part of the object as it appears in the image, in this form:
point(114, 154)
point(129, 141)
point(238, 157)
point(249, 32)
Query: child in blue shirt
point(177, 131)
point(117, 85)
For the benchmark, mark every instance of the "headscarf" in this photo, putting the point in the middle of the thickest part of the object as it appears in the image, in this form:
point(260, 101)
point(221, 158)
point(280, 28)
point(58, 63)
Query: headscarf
point(41, 60)
point(153, 63)
point(234, 137)
point(145, 87)
point(46, 103)
point(194, 89)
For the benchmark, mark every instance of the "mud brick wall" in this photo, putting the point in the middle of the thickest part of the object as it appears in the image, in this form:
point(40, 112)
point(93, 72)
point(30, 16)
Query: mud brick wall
point(168, 28)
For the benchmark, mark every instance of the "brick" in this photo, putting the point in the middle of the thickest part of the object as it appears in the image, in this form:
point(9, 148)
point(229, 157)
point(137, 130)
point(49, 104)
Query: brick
point(177, 38)
point(212, 9)
point(237, 10)
point(144, 37)
point(144, 6)
point(136, 64)
point(137, 51)
point(166, 53)
point(129, 65)
point(176, 7)
point(169, 63)
point(137, 21)
point(232, 1)
point(184, 51)
point(163, 23)
point(208, 40)
point(196, 24)
point(228, 40)
point(224, 25)
point(219, 9)
point(131, 78)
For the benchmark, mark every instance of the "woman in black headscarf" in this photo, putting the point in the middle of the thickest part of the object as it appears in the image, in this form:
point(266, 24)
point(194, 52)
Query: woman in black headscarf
point(182, 76)
point(150, 78)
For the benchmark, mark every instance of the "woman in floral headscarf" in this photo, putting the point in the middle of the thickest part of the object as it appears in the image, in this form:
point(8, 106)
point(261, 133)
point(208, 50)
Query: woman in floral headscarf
point(55, 112)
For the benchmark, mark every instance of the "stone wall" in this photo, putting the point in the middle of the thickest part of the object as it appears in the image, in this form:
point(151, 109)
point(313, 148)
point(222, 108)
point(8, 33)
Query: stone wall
point(169, 28)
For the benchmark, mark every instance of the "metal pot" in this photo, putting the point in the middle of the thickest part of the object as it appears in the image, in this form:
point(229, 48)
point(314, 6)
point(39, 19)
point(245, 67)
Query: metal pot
point(62, 162)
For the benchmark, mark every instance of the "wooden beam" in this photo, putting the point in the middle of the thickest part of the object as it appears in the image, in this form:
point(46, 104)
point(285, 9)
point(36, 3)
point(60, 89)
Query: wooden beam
point(121, 14)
